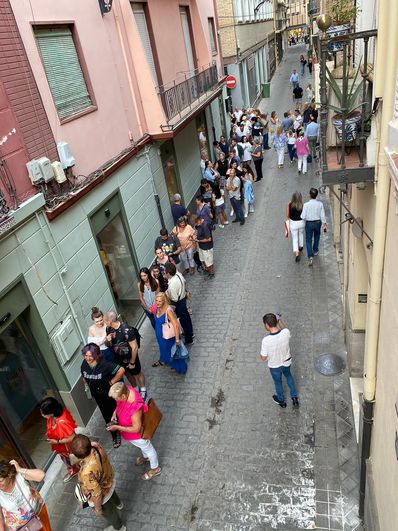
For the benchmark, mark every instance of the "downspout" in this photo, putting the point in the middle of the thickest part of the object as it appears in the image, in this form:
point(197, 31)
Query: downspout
point(385, 88)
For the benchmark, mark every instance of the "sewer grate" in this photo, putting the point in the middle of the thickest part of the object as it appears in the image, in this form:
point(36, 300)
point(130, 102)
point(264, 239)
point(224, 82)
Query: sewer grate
point(329, 364)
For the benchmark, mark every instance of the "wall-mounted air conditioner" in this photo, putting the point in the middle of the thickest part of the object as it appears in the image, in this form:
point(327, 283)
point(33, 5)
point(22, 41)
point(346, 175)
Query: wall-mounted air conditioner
point(65, 156)
point(40, 170)
point(59, 173)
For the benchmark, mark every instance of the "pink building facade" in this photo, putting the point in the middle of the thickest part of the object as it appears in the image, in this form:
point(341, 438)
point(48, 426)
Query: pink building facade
point(128, 101)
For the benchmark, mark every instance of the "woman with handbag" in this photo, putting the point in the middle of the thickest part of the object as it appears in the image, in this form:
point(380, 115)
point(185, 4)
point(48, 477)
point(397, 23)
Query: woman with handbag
point(21, 506)
point(167, 330)
point(99, 375)
point(128, 415)
point(60, 432)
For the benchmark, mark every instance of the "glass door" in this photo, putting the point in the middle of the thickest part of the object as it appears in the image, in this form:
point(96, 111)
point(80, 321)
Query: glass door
point(118, 259)
point(168, 158)
point(23, 384)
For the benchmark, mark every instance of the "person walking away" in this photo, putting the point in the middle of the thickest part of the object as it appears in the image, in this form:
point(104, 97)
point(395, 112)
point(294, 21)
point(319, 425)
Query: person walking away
point(60, 431)
point(296, 224)
point(257, 156)
point(265, 127)
point(298, 96)
point(97, 481)
point(294, 79)
point(280, 141)
point(176, 293)
point(177, 209)
point(125, 342)
point(312, 134)
point(306, 113)
point(219, 204)
point(314, 216)
point(273, 123)
point(248, 193)
point(205, 242)
point(128, 420)
point(97, 335)
point(184, 232)
point(310, 93)
point(164, 314)
point(287, 122)
point(310, 65)
point(147, 287)
point(98, 376)
point(298, 121)
point(303, 62)
point(233, 187)
point(302, 151)
point(291, 147)
point(170, 245)
point(21, 504)
point(275, 349)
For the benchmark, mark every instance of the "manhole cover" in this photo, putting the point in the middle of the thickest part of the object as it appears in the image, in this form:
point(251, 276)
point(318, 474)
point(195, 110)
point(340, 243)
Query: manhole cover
point(329, 364)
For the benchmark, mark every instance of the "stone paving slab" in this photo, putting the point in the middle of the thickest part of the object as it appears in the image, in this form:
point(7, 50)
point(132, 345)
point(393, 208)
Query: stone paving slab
point(232, 459)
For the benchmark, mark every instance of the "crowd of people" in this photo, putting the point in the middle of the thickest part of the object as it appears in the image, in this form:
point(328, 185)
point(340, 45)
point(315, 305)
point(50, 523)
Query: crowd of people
point(111, 368)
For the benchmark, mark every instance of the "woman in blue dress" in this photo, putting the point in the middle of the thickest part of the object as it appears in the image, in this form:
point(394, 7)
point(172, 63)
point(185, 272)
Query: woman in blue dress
point(163, 314)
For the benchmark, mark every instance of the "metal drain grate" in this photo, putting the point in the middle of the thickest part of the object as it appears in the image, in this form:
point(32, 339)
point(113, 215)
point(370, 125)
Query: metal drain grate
point(329, 364)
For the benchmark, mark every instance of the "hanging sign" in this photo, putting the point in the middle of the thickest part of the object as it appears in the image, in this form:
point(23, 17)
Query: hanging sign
point(231, 82)
point(105, 6)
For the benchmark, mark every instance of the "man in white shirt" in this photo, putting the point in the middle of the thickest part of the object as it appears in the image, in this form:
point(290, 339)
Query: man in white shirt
point(176, 292)
point(298, 120)
point(294, 79)
point(314, 215)
point(275, 349)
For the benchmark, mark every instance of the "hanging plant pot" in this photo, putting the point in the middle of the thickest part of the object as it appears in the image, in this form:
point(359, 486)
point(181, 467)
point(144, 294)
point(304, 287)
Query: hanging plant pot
point(350, 126)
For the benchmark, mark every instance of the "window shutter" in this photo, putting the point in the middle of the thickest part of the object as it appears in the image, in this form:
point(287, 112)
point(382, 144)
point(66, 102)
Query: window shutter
point(140, 20)
point(63, 70)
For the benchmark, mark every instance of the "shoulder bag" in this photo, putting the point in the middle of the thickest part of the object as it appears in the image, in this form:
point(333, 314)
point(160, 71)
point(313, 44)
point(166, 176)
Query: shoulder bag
point(150, 420)
point(79, 493)
point(34, 523)
point(168, 331)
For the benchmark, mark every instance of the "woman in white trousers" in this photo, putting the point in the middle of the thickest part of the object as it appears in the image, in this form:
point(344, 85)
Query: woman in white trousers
point(296, 224)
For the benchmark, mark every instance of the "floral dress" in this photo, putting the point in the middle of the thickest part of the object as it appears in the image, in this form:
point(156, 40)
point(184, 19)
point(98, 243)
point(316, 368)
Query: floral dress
point(16, 510)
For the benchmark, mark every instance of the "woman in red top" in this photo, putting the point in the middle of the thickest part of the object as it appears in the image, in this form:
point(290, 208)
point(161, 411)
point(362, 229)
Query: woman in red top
point(60, 432)
point(128, 418)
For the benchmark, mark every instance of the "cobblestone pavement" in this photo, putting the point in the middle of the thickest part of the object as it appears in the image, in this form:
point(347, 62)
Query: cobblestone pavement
point(231, 458)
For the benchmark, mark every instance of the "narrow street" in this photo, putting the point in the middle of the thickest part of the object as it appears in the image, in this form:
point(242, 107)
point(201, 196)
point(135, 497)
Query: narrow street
point(231, 458)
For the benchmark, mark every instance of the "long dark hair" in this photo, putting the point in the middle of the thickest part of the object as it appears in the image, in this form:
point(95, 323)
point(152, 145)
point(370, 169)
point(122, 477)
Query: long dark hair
point(152, 281)
point(217, 191)
point(51, 406)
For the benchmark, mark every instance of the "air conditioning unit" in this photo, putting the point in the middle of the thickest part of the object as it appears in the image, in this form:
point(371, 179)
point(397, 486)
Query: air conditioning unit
point(40, 170)
point(65, 156)
point(59, 173)
point(65, 341)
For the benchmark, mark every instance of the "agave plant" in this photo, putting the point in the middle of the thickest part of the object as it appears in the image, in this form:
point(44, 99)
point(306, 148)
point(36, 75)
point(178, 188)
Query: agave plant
point(347, 96)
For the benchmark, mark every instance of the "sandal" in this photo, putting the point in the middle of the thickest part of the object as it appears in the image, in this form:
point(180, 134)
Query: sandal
point(158, 364)
point(141, 461)
point(153, 472)
point(117, 441)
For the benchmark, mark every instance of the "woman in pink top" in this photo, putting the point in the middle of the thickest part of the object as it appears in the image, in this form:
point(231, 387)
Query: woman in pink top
point(128, 421)
point(302, 150)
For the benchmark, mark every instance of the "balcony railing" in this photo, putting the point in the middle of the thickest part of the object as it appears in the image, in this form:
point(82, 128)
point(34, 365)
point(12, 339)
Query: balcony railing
point(182, 96)
point(343, 146)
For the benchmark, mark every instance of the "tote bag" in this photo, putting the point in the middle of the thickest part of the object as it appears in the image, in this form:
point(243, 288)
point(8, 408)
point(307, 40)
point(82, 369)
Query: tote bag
point(150, 420)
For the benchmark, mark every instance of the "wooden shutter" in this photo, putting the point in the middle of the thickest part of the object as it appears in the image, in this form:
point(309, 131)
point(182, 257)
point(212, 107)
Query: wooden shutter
point(63, 70)
point(140, 20)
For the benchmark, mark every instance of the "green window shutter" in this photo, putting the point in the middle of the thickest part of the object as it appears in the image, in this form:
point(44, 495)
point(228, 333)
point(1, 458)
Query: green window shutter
point(63, 70)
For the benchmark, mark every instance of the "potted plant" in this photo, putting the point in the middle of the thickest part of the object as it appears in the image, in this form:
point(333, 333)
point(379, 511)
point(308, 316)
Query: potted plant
point(347, 110)
point(344, 12)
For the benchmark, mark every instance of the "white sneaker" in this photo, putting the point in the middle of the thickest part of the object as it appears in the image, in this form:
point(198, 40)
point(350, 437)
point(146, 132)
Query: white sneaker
point(120, 506)
point(221, 226)
point(246, 215)
point(226, 222)
point(231, 213)
point(111, 528)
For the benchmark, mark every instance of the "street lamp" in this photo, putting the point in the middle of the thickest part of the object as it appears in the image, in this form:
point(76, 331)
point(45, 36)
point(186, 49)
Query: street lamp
point(324, 22)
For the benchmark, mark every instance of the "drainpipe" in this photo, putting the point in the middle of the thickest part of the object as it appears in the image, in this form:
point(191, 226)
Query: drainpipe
point(385, 87)
point(59, 274)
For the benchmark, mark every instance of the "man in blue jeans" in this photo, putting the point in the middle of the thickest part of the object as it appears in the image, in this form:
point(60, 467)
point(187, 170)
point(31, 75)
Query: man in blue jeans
point(275, 349)
point(314, 215)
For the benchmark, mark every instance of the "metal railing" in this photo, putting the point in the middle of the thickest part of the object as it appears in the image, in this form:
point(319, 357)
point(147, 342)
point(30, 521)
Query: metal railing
point(344, 47)
point(183, 95)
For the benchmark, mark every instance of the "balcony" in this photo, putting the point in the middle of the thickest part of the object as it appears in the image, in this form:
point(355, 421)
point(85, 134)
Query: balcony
point(345, 74)
point(181, 98)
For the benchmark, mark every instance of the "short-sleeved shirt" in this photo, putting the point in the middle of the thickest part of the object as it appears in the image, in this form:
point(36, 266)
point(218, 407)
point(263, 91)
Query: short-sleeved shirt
point(125, 410)
point(98, 377)
point(169, 246)
point(235, 183)
point(276, 347)
point(96, 475)
point(298, 93)
point(178, 211)
point(204, 212)
point(203, 232)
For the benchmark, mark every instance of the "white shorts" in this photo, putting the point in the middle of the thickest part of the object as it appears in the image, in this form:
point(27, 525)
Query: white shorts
point(206, 256)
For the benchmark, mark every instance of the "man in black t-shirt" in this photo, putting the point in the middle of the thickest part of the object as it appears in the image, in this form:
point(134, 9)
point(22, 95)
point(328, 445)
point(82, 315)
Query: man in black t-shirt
point(205, 242)
point(298, 96)
point(122, 338)
point(170, 244)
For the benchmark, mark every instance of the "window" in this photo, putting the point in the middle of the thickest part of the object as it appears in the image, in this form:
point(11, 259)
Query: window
point(212, 35)
point(140, 20)
point(63, 70)
point(186, 30)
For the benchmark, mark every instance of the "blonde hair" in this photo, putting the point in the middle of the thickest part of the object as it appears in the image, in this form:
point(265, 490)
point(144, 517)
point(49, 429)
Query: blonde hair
point(117, 390)
point(279, 131)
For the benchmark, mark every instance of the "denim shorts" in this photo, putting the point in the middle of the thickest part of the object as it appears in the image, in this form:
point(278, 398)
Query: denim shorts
point(220, 208)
